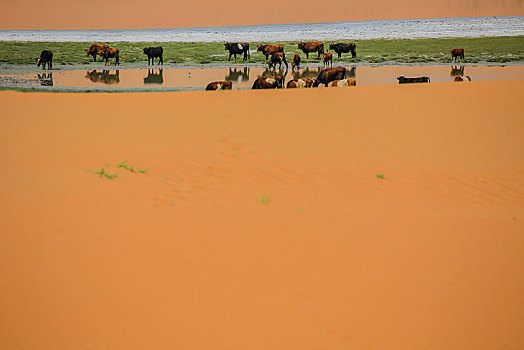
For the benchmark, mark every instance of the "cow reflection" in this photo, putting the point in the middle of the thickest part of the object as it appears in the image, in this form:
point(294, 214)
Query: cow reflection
point(154, 78)
point(46, 79)
point(457, 71)
point(351, 73)
point(238, 75)
point(310, 73)
point(271, 72)
point(104, 77)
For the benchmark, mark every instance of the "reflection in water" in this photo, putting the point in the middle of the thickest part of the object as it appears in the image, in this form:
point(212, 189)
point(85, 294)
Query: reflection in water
point(457, 71)
point(237, 74)
point(46, 79)
point(154, 78)
point(311, 73)
point(352, 73)
point(104, 77)
point(271, 72)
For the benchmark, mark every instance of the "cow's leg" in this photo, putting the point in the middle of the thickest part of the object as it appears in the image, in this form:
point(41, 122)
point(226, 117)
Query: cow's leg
point(161, 60)
point(229, 59)
point(50, 64)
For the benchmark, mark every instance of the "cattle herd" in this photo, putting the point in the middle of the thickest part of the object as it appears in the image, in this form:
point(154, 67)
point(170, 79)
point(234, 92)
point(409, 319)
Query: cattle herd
point(274, 55)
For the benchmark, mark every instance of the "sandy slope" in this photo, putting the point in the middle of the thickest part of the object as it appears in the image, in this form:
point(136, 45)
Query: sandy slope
point(187, 257)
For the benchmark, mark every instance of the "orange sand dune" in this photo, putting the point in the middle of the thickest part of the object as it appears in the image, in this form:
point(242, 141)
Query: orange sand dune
point(121, 14)
point(187, 257)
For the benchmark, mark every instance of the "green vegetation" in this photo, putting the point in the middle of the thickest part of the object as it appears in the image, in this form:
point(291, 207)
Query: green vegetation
point(380, 176)
point(103, 173)
point(486, 49)
point(264, 199)
point(131, 168)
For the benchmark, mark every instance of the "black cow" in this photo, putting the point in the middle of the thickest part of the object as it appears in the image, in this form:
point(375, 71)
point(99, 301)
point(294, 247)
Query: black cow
point(153, 52)
point(341, 48)
point(403, 80)
point(46, 56)
point(237, 49)
point(330, 74)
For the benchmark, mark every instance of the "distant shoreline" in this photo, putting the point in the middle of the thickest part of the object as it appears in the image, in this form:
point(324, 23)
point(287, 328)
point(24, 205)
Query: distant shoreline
point(351, 30)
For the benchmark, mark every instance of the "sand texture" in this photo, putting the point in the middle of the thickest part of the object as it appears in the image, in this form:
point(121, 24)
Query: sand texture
point(189, 256)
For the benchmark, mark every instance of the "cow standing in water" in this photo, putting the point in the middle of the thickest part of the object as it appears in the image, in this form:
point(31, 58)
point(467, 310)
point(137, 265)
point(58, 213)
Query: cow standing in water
point(278, 58)
point(237, 49)
point(46, 56)
point(328, 75)
point(296, 62)
point(153, 52)
point(95, 49)
point(457, 53)
point(312, 47)
point(269, 50)
point(328, 59)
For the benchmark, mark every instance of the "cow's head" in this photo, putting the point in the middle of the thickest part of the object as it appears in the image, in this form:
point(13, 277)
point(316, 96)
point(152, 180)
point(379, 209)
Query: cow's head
point(146, 50)
point(88, 52)
point(260, 47)
point(300, 45)
point(227, 46)
point(401, 77)
point(38, 61)
point(332, 46)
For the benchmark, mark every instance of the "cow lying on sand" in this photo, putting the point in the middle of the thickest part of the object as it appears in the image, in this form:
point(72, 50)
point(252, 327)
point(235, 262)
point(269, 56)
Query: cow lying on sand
point(111, 53)
point(269, 50)
point(462, 79)
point(457, 53)
point(237, 49)
point(277, 58)
point(403, 80)
point(344, 82)
point(220, 85)
point(341, 48)
point(46, 56)
point(153, 52)
point(95, 49)
point(328, 75)
point(300, 83)
point(273, 82)
point(312, 47)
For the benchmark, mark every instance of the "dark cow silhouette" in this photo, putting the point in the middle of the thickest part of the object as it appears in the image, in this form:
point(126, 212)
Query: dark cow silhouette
point(153, 52)
point(273, 82)
point(104, 77)
point(328, 59)
point(237, 75)
point(269, 50)
point(111, 53)
point(46, 57)
point(312, 47)
point(237, 49)
point(95, 50)
point(330, 74)
point(457, 53)
point(296, 62)
point(46, 79)
point(220, 85)
point(277, 58)
point(300, 83)
point(403, 80)
point(341, 48)
point(154, 78)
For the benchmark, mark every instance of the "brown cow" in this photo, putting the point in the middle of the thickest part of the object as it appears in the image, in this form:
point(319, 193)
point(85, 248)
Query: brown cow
point(96, 49)
point(462, 79)
point(220, 85)
point(269, 50)
point(111, 53)
point(457, 53)
point(312, 47)
point(328, 75)
point(277, 58)
point(300, 83)
point(328, 59)
point(273, 82)
point(296, 62)
point(344, 82)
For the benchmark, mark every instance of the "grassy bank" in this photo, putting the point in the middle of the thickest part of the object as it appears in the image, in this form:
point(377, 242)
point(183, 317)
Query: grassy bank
point(488, 49)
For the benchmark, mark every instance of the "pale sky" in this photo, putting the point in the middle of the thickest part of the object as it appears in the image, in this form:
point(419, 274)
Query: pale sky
point(126, 14)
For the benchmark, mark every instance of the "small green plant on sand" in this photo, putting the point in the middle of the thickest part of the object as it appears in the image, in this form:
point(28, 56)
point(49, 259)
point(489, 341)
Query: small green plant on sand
point(103, 173)
point(380, 176)
point(264, 199)
point(131, 168)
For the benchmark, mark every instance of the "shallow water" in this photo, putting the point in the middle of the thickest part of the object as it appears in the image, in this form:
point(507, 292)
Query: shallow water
point(390, 29)
point(242, 78)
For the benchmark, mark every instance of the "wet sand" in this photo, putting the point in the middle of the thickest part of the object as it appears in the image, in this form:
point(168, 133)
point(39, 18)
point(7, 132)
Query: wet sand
point(187, 256)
